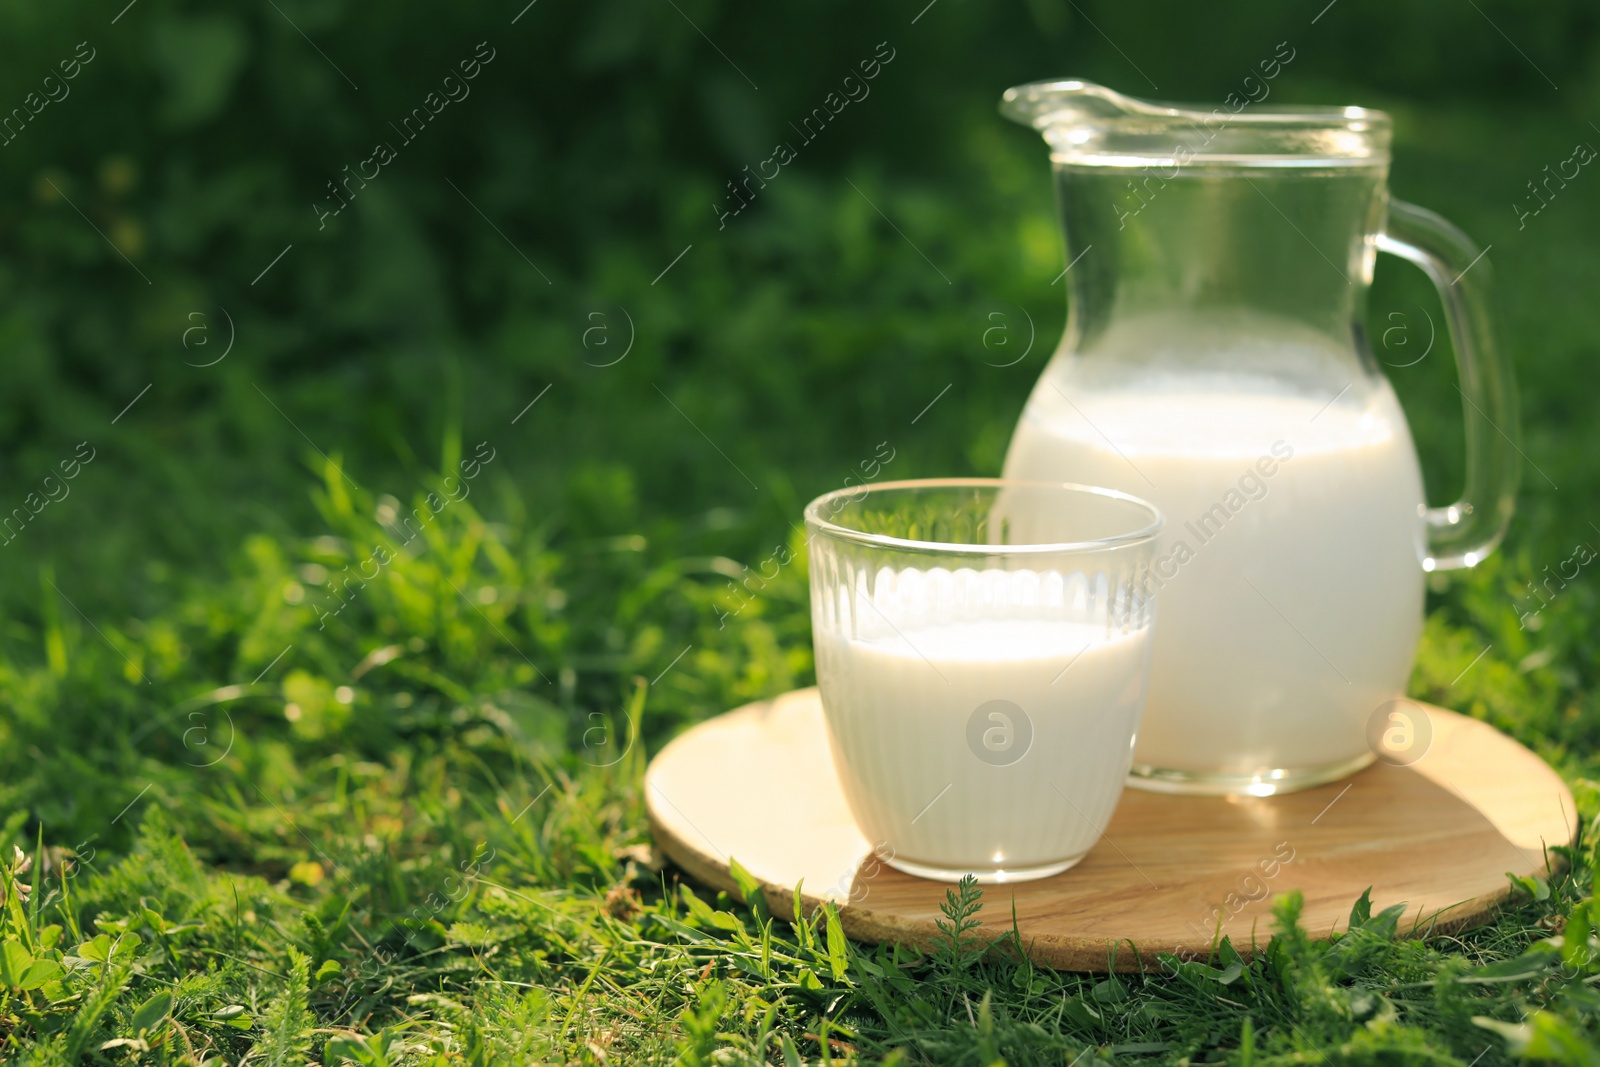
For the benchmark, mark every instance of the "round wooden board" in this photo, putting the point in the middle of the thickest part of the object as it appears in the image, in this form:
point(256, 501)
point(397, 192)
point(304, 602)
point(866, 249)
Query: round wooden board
point(757, 786)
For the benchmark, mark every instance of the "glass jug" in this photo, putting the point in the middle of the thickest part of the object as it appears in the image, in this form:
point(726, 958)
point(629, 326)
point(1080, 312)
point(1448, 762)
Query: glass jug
point(1215, 363)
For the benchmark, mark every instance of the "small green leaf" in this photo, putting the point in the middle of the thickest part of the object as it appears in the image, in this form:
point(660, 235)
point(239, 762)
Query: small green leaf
point(1538, 958)
point(1533, 885)
point(1575, 950)
point(14, 963)
point(234, 1015)
point(1362, 911)
point(750, 889)
point(1545, 1036)
point(97, 949)
point(152, 1012)
point(329, 969)
point(135, 1043)
point(1110, 991)
point(49, 936)
point(802, 929)
point(351, 1049)
point(838, 947)
point(41, 972)
point(700, 912)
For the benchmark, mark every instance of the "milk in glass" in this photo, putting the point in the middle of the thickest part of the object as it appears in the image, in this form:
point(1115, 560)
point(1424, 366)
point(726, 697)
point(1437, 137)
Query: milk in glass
point(984, 745)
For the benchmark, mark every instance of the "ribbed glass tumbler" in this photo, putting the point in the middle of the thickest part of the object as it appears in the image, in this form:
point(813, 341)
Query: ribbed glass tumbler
point(982, 648)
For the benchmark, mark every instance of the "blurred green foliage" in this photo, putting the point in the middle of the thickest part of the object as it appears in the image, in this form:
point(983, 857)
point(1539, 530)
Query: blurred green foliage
point(597, 143)
point(307, 781)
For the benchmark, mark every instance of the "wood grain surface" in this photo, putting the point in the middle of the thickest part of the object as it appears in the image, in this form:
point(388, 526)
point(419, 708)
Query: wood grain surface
point(757, 785)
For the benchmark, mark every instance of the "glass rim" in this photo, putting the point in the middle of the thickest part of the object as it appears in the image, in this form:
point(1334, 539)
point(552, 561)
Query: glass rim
point(1037, 103)
point(815, 520)
point(1090, 125)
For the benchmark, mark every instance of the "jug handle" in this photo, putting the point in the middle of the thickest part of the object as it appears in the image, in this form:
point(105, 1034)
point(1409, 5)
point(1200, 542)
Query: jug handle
point(1465, 532)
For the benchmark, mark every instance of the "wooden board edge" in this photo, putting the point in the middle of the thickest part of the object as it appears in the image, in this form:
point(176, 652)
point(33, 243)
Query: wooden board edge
point(712, 873)
point(1074, 954)
point(1104, 956)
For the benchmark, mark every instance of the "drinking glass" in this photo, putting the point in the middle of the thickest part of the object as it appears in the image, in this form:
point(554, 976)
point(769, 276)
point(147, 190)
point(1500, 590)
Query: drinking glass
point(982, 649)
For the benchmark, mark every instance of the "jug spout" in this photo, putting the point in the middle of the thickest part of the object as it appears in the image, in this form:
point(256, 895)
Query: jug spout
point(1239, 220)
point(1087, 123)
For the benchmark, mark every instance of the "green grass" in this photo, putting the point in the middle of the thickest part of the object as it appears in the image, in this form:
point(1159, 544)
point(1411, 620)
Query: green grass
point(271, 813)
point(403, 842)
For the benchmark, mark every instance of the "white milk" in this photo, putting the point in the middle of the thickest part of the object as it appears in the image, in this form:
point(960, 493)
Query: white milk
point(900, 710)
point(1288, 576)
